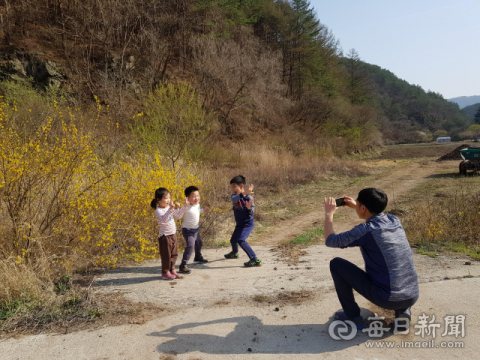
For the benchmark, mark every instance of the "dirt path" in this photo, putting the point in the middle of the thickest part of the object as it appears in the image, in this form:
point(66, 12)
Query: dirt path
point(396, 183)
point(279, 311)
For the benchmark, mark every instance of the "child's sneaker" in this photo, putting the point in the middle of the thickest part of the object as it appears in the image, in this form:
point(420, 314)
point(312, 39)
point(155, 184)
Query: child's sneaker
point(168, 276)
point(232, 255)
point(253, 262)
point(184, 269)
point(200, 260)
point(358, 321)
point(176, 276)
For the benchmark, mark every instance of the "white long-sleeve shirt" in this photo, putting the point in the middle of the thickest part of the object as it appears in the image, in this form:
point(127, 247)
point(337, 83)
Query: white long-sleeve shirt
point(165, 220)
point(191, 217)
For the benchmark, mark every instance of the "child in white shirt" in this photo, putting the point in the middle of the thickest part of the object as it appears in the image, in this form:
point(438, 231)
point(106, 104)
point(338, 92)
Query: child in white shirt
point(191, 229)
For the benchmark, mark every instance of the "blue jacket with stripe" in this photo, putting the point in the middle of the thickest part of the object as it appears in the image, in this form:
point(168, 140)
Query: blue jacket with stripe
point(243, 216)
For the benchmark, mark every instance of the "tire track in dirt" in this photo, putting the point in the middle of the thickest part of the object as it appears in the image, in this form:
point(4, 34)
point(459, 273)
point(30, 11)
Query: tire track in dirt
point(396, 183)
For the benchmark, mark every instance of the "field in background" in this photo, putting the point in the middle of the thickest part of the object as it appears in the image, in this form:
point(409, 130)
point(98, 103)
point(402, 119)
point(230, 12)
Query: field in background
point(425, 150)
point(442, 214)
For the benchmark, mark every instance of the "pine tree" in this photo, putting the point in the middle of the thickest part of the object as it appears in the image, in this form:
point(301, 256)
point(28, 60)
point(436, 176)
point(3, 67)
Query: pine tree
point(299, 45)
point(477, 116)
point(357, 83)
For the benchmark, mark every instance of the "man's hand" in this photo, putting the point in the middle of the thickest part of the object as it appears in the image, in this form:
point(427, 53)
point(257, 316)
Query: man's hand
point(177, 205)
point(250, 190)
point(330, 206)
point(350, 202)
point(205, 209)
point(187, 202)
point(249, 203)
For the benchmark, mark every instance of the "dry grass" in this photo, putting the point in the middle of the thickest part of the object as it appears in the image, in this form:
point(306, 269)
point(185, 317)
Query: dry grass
point(414, 151)
point(72, 309)
point(290, 253)
point(278, 168)
point(282, 176)
point(444, 214)
point(20, 281)
point(285, 298)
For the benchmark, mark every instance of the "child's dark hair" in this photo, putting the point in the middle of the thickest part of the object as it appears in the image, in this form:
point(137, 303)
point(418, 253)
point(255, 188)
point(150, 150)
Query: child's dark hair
point(375, 200)
point(159, 194)
point(189, 190)
point(239, 179)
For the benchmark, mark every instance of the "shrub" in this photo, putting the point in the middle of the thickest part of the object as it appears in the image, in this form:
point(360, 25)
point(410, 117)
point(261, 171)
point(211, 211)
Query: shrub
point(174, 123)
point(64, 207)
point(452, 218)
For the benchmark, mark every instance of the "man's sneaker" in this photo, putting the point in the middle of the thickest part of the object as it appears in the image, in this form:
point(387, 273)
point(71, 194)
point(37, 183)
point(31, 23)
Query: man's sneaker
point(184, 269)
point(402, 325)
point(358, 321)
point(200, 260)
point(253, 262)
point(407, 314)
point(168, 276)
point(232, 255)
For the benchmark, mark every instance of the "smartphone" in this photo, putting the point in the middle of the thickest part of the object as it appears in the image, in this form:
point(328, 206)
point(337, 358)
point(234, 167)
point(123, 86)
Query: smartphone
point(340, 202)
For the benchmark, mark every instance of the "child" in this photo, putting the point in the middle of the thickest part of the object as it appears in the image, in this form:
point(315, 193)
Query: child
point(191, 229)
point(243, 210)
point(165, 210)
point(390, 280)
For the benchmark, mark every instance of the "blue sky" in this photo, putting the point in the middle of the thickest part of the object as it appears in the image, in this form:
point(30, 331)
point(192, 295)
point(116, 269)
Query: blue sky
point(431, 43)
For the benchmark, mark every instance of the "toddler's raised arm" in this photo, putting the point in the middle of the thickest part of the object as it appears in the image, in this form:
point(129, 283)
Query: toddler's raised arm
point(164, 214)
point(179, 213)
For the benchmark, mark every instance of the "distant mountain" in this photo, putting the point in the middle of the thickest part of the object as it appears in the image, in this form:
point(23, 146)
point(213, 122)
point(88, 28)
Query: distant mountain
point(407, 113)
point(463, 101)
point(471, 110)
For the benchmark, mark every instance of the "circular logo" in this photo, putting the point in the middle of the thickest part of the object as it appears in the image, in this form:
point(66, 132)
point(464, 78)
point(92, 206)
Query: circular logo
point(346, 330)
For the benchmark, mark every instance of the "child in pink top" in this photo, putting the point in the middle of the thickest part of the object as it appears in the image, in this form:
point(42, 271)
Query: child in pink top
point(165, 211)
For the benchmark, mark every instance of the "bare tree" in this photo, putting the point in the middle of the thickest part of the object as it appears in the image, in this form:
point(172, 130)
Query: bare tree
point(234, 72)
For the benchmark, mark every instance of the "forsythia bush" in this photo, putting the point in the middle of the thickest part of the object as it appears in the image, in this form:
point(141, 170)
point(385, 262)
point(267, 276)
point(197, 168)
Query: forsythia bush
point(63, 204)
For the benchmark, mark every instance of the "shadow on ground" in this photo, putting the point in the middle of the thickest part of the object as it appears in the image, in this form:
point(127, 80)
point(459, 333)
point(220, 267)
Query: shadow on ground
point(155, 271)
point(251, 335)
point(127, 281)
point(451, 175)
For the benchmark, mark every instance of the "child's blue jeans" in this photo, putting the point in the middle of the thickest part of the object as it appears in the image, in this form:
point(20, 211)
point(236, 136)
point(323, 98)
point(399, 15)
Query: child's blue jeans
point(239, 237)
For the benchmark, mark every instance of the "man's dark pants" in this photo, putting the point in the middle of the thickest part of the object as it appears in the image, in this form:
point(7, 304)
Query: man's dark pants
point(348, 276)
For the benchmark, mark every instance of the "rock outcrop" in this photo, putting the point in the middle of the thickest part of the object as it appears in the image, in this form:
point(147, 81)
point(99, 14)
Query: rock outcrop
point(43, 73)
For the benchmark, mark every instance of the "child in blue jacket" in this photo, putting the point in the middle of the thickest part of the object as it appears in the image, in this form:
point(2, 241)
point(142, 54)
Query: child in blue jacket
point(243, 209)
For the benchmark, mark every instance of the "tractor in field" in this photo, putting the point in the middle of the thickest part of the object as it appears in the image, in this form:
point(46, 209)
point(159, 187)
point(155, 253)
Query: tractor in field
point(471, 160)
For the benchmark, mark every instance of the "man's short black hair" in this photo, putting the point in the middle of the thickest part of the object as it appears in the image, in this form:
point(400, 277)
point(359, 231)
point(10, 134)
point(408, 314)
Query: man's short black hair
point(375, 200)
point(189, 190)
point(239, 180)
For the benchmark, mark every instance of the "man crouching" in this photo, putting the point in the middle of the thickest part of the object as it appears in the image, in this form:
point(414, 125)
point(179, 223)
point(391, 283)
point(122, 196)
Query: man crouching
point(390, 279)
